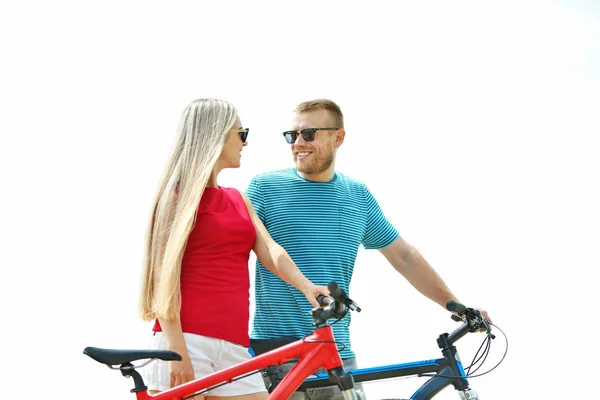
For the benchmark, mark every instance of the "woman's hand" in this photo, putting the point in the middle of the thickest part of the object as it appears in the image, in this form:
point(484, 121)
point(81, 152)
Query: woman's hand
point(312, 291)
point(181, 372)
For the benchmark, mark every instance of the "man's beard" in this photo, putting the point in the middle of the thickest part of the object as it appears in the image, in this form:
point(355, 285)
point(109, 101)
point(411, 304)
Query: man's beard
point(317, 166)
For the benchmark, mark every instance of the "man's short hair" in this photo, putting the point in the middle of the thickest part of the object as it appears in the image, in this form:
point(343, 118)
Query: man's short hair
point(323, 104)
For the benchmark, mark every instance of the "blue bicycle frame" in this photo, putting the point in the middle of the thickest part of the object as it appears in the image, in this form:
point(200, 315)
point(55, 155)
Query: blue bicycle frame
point(447, 370)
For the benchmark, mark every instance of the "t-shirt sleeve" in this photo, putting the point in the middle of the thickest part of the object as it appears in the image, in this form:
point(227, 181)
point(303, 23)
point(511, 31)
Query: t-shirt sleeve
point(255, 194)
point(379, 232)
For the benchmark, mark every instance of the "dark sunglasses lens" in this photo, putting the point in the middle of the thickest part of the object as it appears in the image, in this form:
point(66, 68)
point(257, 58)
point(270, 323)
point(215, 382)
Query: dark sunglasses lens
point(290, 137)
point(244, 135)
point(308, 134)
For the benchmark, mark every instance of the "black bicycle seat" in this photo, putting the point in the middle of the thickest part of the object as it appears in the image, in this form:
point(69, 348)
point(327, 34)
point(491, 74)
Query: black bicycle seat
point(117, 357)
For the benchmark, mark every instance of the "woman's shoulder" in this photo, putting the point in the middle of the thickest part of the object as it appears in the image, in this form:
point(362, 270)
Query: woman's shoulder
point(233, 193)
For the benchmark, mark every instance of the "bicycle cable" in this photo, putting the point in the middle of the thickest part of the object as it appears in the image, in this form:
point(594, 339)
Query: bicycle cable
point(486, 352)
point(343, 346)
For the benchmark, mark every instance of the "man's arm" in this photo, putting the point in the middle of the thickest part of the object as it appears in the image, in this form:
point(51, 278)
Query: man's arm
point(407, 260)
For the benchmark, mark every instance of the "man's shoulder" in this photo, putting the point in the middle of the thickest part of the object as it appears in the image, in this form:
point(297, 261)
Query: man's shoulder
point(275, 176)
point(351, 183)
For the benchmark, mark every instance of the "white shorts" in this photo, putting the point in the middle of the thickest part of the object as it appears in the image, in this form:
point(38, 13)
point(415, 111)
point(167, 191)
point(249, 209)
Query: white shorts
point(208, 355)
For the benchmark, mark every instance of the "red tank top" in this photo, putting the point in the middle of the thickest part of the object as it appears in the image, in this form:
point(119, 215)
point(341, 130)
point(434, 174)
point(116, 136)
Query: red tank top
point(215, 282)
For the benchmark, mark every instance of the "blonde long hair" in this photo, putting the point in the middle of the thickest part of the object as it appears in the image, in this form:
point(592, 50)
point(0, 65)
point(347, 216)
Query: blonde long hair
point(203, 128)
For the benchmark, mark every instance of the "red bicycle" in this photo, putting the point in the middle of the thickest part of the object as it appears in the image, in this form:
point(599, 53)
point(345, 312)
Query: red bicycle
point(314, 351)
point(320, 350)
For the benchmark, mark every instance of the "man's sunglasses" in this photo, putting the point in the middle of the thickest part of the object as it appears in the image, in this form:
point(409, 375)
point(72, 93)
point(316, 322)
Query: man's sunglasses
point(243, 133)
point(308, 134)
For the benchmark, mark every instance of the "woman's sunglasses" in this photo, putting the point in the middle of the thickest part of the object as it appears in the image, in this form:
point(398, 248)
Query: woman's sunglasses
point(308, 134)
point(243, 133)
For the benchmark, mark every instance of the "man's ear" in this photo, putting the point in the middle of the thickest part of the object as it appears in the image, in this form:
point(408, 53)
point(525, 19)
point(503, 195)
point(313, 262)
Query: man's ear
point(339, 137)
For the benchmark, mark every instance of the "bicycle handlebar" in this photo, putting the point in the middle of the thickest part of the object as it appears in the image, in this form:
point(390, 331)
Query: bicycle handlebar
point(335, 305)
point(458, 308)
point(472, 318)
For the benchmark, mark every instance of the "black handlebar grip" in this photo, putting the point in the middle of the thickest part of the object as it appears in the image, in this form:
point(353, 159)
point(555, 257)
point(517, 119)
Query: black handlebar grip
point(456, 307)
point(335, 291)
point(321, 299)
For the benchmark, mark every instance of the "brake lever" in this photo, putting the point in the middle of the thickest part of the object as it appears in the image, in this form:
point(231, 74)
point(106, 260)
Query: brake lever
point(456, 318)
point(477, 321)
point(488, 328)
point(352, 305)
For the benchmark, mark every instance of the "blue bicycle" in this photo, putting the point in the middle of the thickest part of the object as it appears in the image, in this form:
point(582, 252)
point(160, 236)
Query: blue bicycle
point(444, 371)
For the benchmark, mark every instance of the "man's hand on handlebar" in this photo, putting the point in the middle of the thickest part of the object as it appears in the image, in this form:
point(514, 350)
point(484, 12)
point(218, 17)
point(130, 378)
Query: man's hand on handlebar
point(485, 315)
point(477, 317)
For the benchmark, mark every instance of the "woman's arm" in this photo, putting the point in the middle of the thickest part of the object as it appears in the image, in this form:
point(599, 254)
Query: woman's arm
point(277, 260)
point(179, 371)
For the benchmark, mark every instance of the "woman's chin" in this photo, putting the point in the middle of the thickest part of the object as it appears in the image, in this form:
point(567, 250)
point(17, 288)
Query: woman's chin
point(234, 164)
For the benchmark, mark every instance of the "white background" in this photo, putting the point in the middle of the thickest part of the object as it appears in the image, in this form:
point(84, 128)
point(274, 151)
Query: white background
point(474, 124)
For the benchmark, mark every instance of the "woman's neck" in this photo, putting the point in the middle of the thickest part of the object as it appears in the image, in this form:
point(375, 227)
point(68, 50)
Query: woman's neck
point(212, 180)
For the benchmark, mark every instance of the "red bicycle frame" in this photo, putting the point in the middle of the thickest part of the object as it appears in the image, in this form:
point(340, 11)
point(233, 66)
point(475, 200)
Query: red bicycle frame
point(316, 350)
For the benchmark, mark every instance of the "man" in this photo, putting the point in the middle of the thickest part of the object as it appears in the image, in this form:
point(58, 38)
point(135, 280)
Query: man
point(321, 217)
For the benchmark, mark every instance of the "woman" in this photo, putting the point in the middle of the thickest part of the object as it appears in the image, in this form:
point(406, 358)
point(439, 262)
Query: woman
point(195, 280)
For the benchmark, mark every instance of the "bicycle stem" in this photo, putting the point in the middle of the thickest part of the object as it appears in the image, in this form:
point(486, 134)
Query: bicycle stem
point(445, 342)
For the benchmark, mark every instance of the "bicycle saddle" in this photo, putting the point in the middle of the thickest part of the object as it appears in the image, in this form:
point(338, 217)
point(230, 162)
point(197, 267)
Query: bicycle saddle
point(115, 357)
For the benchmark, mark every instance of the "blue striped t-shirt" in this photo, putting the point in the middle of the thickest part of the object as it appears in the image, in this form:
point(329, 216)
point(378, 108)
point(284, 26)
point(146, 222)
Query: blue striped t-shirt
point(321, 225)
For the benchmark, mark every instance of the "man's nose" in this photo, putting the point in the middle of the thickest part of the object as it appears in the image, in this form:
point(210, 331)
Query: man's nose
point(299, 140)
